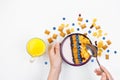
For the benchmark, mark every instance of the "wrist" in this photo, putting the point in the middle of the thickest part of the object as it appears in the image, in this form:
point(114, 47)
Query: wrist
point(54, 73)
point(55, 70)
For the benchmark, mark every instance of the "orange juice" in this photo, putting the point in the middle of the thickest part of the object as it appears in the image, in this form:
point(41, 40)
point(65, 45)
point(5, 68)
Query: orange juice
point(36, 47)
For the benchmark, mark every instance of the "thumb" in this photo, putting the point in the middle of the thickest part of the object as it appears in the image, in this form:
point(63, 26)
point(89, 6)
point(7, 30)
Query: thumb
point(57, 48)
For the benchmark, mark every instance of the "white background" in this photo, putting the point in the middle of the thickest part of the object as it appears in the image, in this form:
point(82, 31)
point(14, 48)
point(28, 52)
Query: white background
point(21, 20)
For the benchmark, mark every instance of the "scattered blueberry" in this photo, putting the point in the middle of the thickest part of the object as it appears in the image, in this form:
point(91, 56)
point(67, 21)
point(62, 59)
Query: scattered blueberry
point(73, 24)
point(89, 31)
point(92, 60)
point(64, 18)
point(115, 52)
point(87, 21)
point(103, 38)
point(54, 28)
point(46, 62)
point(78, 29)
point(108, 50)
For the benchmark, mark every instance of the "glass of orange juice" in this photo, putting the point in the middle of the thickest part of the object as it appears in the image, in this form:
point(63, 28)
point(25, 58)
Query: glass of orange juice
point(36, 47)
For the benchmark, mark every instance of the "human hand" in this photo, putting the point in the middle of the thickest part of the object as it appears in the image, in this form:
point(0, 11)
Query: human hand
point(105, 74)
point(55, 62)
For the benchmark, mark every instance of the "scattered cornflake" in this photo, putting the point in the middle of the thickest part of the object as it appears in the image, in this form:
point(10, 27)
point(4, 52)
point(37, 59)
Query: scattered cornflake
point(104, 47)
point(61, 27)
point(94, 20)
point(108, 42)
point(50, 40)
point(97, 27)
point(83, 26)
point(54, 36)
point(62, 34)
point(72, 30)
point(80, 19)
point(99, 53)
point(68, 31)
point(47, 32)
point(94, 34)
point(79, 23)
point(66, 25)
point(99, 33)
point(106, 56)
point(105, 34)
point(100, 44)
point(94, 24)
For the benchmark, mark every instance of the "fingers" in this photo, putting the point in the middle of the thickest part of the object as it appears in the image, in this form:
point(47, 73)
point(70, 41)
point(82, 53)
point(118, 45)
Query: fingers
point(107, 73)
point(103, 76)
point(98, 72)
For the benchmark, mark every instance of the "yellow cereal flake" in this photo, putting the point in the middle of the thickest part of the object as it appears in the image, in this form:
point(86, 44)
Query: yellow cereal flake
point(63, 25)
point(99, 35)
point(60, 28)
point(54, 36)
point(104, 47)
point(94, 20)
point(97, 27)
point(50, 40)
point(68, 31)
point(100, 44)
point(105, 34)
point(47, 32)
point(93, 24)
point(99, 31)
point(79, 23)
point(83, 26)
point(108, 42)
point(99, 53)
point(72, 30)
point(94, 34)
point(62, 34)
point(80, 19)
point(106, 56)
point(66, 25)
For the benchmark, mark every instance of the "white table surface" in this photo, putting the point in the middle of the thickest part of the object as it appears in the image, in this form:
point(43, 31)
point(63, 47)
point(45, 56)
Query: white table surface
point(21, 20)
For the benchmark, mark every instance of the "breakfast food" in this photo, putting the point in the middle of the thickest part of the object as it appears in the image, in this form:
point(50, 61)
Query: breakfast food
point(47, 32)
point(62, 34)
point(50, 40)
point(77, 48)
point(108, 42)
point(54, 36)
point(83, 26)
